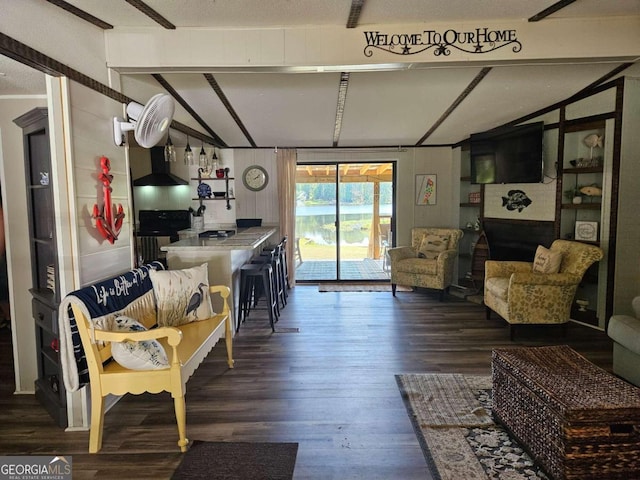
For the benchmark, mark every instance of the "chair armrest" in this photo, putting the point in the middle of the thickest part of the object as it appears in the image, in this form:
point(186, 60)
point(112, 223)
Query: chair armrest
point(400, 253)
point(224, 292)
point(635, 303)
point(551, 279)
point(497, 268)
point(173, 335)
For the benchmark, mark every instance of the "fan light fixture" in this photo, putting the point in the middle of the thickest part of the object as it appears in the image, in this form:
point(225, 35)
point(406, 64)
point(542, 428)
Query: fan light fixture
point(149, 122)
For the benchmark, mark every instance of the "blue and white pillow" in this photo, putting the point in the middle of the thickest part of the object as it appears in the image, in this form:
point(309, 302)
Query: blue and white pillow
point(145, 355)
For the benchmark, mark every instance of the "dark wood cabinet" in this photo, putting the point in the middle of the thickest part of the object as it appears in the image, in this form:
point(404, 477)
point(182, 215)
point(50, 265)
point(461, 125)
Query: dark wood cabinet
point(49, 386)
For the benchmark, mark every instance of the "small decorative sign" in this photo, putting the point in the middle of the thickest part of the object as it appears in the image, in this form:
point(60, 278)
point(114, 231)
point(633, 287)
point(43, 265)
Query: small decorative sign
point(586, 231)
point(478, 41)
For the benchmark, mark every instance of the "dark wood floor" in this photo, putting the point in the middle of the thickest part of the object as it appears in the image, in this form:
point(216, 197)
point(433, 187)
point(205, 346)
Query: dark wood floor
point(330, 386)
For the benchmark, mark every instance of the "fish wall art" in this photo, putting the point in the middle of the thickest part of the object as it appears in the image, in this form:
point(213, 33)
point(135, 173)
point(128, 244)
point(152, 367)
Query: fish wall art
point(516, 200)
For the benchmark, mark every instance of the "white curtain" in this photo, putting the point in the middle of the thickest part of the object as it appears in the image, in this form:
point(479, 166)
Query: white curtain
point(287, 159)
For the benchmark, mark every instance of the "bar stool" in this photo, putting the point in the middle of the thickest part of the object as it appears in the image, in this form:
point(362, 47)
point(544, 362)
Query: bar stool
point(274, 256)
point(256, 279)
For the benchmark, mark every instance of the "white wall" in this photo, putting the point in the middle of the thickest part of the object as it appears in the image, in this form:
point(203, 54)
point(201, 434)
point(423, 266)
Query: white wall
point(91, 137)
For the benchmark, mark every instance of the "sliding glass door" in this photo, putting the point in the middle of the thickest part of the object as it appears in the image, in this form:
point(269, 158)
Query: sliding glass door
point(344, 214)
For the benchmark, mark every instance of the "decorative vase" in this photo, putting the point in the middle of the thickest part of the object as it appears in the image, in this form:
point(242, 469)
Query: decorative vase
point(197, 223)
point(577, 200)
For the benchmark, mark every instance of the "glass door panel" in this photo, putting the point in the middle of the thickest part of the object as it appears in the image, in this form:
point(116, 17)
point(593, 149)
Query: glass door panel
point(343, 221)
point(316, 222)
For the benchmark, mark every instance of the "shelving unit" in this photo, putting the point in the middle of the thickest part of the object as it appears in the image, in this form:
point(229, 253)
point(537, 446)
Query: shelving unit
point(581, 165)
point(469, 213)
point(49, 386)
point(226, 198)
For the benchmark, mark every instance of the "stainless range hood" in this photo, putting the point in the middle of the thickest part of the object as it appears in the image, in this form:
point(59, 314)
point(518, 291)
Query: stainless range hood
point(160, 175)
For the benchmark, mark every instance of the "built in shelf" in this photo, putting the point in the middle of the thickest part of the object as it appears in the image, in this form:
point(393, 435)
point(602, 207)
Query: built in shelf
point(578, 170)
point(213, 198)
point(467, 204)
point(206, 179)
point(582, 206)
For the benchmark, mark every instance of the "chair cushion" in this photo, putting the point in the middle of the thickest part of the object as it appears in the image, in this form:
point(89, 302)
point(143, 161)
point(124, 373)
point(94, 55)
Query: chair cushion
point(498, 287)
point(182, 296)
point(420, 266)
point(546, 261)
point(432, 245)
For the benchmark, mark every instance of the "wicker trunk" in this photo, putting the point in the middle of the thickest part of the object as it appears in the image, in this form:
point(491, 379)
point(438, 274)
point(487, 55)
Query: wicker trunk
point(575, 419)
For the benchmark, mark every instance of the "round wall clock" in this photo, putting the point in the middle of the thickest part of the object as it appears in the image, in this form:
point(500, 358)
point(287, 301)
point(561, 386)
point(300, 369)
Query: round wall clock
point(255, 178)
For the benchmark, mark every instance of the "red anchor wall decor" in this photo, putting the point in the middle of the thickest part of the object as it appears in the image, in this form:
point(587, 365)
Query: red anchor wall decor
point(107, 224)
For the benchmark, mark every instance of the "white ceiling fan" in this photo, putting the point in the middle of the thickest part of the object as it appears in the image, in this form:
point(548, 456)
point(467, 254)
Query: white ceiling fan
point(149, 122)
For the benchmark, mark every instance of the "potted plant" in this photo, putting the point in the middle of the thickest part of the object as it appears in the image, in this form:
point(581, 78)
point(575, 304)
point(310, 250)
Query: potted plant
point(574, 194)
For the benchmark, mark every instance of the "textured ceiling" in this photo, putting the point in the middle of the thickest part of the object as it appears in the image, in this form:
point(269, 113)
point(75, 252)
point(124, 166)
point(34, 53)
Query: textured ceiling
point(419, 106)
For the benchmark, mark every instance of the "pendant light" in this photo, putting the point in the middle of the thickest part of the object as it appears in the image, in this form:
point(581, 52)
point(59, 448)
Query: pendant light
point(169, 151)
point(203, 162)
point(188, 154)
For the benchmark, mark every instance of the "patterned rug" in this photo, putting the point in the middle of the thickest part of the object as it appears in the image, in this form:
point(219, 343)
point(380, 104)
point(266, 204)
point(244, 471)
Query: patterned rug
point(451, 417)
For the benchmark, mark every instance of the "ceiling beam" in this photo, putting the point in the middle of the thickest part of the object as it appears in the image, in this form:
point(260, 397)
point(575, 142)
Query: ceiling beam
point(87, 17)
point(218, 142)
point(354, 13)
point(550, 10)
point(474, 83)
point(227, 104)
point(151, 13)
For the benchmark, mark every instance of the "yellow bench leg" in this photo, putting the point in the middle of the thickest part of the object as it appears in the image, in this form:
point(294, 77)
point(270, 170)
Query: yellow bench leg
point(181, 418)
point(228, 339)
point(97, 421)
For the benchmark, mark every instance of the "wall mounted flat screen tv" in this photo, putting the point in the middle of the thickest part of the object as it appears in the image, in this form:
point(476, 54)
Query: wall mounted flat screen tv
point(508, 155)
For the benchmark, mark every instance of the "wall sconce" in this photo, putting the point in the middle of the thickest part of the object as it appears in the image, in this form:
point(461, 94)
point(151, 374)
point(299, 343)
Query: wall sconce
point(169, 151)
point(188, 154)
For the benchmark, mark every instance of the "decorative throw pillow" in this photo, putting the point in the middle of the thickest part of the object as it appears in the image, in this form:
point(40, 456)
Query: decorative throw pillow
point(546, 261)
point(145, 355)
point(432, 245)
point(182, 296)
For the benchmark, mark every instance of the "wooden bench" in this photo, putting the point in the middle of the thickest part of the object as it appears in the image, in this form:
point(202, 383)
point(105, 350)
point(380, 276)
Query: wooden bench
point(186, 347)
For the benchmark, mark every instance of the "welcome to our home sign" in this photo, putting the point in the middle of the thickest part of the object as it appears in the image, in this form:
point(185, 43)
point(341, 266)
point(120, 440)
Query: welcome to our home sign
point(477, 41)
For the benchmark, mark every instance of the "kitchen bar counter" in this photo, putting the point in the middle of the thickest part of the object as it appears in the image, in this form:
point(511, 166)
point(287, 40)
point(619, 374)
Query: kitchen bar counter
point(243, 239)
point(224, 257)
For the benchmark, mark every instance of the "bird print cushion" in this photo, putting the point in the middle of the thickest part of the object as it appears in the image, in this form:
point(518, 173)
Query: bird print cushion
point(144, 355)
point(182, 296)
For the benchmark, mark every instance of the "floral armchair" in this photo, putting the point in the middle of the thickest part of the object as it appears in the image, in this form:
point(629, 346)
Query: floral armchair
point(416, 267)
point(521, 296)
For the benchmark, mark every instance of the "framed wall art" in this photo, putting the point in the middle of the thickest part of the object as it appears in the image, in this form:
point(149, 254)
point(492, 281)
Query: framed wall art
point(426, 189)
point(586, 231)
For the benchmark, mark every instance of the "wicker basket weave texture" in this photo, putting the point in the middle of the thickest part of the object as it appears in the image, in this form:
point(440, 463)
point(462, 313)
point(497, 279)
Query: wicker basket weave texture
point(577, 420)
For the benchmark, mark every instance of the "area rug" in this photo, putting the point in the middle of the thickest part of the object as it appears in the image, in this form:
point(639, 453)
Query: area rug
point(359, 287)
point(237, 461)
point(451, 417)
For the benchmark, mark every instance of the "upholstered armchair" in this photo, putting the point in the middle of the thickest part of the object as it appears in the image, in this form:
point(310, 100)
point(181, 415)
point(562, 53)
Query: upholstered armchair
point(624, 330)
point(429, 261)
point(530, 292)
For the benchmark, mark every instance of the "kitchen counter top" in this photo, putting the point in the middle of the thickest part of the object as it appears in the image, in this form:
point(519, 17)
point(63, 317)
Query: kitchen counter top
point(244, 239)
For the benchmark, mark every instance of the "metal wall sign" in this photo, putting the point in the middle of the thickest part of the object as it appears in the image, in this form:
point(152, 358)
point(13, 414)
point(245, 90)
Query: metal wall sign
point(478, 41)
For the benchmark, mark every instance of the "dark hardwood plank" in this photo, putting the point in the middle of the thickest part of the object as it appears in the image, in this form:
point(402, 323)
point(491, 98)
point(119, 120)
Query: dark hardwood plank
point(330, 387)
